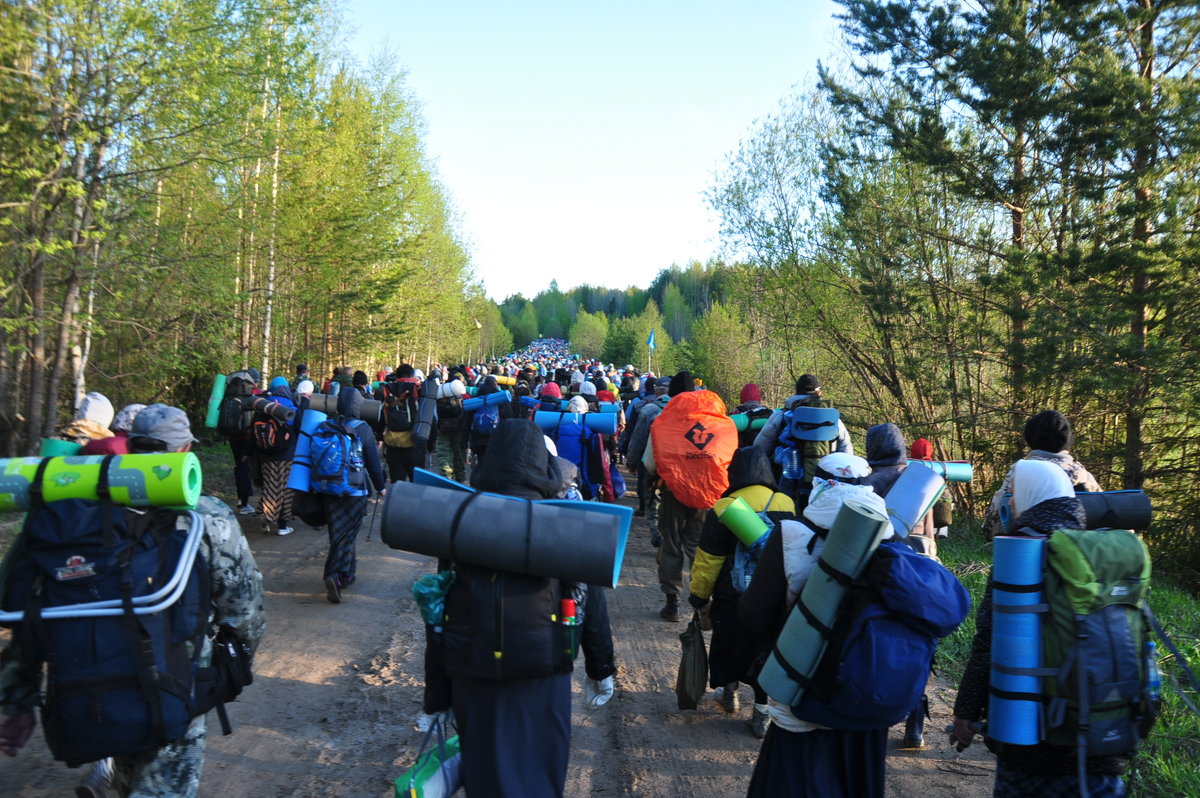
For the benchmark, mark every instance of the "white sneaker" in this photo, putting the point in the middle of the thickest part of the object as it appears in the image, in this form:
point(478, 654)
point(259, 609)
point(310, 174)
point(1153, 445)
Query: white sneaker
point(284, 530)
point(246, 509)
point(98, 783)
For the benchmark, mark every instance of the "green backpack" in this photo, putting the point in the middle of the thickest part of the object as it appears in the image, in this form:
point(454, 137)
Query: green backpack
point(1098, 661)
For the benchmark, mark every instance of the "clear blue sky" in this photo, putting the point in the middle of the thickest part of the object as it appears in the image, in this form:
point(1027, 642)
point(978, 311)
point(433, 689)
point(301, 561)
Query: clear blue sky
point(576, 140)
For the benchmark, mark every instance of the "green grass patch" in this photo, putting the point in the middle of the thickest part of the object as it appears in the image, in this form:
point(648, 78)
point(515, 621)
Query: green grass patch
point(1168, 765)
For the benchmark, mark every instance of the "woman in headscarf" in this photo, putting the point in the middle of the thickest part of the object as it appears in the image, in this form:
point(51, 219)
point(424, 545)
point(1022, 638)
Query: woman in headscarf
point(119, 442)
point(505, 652)
point(799, 758)
point(1043, 501)
point(92, 420)
point(344, 514)
point(276, 467)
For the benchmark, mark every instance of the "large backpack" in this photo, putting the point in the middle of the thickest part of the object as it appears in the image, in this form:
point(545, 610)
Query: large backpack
point(811, 429)
point(485, 420)
point(880, 649)
point(573, 440)
point(271, 436)
point(234, 417)
point(449, 413)
point(401, 400)
point(1095, 670)
point(121, 680)
point(336, 454)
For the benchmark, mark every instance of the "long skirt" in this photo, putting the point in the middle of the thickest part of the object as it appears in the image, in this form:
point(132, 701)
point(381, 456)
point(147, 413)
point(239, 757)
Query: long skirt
point(345, 515)
point(516, 736)
point(822, 763)
point(1013, 783)
point(732, 650)
point(277, 496)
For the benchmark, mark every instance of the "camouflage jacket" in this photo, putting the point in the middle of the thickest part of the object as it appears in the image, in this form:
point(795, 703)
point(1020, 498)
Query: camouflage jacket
point(237, 602)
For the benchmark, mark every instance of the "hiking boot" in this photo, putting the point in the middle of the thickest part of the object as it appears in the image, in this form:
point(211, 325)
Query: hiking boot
point(758, 723)
point(333, 589)
point(727, 698)
point(914, 726)
point(98, 783)
point(670, 610)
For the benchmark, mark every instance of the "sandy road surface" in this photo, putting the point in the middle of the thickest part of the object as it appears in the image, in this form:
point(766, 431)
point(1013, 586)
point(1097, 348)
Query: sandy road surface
point(337, 689)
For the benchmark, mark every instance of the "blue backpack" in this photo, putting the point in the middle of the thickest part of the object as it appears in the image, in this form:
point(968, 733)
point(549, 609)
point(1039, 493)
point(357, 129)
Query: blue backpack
point(336, 455)
point(485, 420)
point(573, 440)
point(120, 681)
point(881, 647)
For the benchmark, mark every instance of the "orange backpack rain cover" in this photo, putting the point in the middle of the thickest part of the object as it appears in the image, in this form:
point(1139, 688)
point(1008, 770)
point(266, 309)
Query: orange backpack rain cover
point(693, 443)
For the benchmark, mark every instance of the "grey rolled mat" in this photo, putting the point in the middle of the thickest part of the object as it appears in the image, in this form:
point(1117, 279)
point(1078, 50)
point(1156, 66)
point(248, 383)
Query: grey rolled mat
point(853, 538)
point(370, 410)
point(569, 540)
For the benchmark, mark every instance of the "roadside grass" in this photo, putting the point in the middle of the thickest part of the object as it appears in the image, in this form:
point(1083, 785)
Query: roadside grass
point(1168, 765)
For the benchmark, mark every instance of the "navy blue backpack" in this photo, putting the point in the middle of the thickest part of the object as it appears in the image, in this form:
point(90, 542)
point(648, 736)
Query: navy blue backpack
point(121, 681)
point(881, 647)
point(336, 453)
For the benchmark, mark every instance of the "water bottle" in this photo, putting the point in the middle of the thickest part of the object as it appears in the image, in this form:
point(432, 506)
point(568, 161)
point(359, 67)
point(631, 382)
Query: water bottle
point(793, 468)
point(1153, 676)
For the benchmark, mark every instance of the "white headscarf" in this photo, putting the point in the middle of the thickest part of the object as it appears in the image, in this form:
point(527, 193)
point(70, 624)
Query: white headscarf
point(577, 405)
point(96, 407)
point(305, 388)
point(1035, 481)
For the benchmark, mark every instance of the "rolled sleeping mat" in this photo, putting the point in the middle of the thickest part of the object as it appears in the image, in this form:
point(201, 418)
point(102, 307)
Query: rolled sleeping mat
point(530, 402)
point(743, 421)
point(502, 380)
point(472, 390)
point(911, 496)
point(950, 470)
point(58, 447)
point(426, 411)
point(814, 423)
point(610, 407)
point(1017, 612)
point(602, 423)
point(266, 406)
point(853, 538)
point(568, 540)
point(736, 515)
point(300, 475)
point(214, 401)
point(1116, 509)
point(370, 410)
point(375, 386)
point(497, 398)
point(161, 479)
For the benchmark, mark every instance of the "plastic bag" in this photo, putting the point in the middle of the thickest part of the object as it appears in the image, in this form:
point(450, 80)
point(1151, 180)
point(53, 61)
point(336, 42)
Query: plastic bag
point(430, 594)
point(693, 666)
point(437, 772)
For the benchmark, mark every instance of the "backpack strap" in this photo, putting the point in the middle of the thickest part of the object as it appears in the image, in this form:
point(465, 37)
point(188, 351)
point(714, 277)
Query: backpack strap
point(454, 522)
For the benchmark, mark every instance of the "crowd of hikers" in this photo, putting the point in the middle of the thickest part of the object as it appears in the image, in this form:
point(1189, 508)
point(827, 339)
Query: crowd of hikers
point(545, 423)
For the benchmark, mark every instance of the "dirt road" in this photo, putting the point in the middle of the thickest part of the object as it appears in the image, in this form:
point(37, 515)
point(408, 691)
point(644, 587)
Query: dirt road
point(338, 687)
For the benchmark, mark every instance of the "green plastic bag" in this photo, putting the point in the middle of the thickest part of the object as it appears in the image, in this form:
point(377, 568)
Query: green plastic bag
point(430, 594)
point(437, 772)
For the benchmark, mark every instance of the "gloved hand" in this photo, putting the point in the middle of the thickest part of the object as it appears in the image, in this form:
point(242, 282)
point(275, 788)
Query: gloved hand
point(597, 693)
point(697, 602)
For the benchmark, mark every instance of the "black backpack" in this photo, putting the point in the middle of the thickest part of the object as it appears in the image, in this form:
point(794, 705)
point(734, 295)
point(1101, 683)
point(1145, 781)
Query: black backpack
point(450, 413)
point(234, 418)
point(271, 436)
point(121, 681)
point(401, 399)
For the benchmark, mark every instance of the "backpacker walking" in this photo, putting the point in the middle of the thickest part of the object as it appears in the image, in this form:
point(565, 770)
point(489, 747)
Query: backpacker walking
point(235, 604)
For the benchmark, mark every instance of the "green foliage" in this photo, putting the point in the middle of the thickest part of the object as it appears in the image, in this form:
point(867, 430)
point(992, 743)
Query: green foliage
point(588, 333)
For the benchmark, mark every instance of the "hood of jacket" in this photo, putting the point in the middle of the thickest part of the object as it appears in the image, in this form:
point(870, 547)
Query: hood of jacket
point(885, 445)
point(517, 463)
point(750, 466)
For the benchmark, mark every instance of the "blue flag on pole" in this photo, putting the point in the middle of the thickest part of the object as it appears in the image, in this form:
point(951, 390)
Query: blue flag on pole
point(650, 340)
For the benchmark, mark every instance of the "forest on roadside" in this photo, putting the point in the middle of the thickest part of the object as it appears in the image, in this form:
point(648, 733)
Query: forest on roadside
point(976, 213)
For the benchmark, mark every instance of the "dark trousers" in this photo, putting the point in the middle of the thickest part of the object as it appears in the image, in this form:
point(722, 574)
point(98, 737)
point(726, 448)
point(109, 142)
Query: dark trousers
point(401, 460)
point(516, 736)
point(680, 528)
point(243, 452)
point(646, 496)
